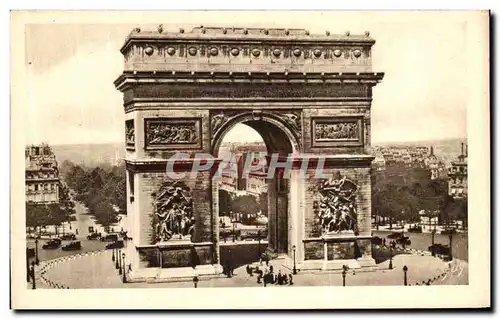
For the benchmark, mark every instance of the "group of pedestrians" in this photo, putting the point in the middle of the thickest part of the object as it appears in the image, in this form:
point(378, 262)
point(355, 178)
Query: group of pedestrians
point(267, 276)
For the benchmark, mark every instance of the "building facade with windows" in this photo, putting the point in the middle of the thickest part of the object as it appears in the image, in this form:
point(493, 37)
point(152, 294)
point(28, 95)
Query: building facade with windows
point(41, 175)
point(457, 176)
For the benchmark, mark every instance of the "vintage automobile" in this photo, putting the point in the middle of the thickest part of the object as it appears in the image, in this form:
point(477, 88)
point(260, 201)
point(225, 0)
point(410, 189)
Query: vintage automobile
point(112, 237)
point(68, 236)
point(415, 229)
point(115, 245)
point(395, 235)
point(403, 241)
point(75, 245)
point(94, 236)
point(52, 244)
point(440, 249)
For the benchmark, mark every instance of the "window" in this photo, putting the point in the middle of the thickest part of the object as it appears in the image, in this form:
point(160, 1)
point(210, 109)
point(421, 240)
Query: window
point(36, 187)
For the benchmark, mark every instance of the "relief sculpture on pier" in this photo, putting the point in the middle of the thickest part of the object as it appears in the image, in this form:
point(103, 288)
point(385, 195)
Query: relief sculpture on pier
point(129, 133)
point(172, 212)
point(336, 207)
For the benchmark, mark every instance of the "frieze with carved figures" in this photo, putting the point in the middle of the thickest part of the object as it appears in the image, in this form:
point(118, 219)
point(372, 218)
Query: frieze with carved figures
point(168, 131)
point(337, 131)
point(340, 131)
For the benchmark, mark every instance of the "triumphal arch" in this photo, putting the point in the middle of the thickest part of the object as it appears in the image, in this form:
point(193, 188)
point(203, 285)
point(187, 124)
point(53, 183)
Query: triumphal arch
point(309, 97)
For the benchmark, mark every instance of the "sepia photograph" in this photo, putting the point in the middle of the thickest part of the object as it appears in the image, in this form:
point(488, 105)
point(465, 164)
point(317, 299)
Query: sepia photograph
point(284, 156)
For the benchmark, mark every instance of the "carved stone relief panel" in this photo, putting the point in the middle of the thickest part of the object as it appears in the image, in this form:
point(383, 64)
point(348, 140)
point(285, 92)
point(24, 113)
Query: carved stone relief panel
point(292, 119)
point(172, 216)
point(218, 119)
point(335, 205)
point(341, 131)
point(173, 133)
point(129, 133)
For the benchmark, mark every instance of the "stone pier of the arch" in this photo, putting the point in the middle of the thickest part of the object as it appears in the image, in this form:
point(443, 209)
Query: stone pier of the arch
point(309, 96)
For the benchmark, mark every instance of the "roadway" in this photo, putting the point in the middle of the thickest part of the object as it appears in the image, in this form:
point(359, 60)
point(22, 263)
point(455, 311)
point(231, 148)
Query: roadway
point(422, 241)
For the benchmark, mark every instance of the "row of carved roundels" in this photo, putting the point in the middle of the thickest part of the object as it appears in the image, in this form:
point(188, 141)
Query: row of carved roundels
point(255, 52)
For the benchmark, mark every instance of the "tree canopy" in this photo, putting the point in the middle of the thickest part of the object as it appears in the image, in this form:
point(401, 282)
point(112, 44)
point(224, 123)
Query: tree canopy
point(100, 189)
point(400, 193)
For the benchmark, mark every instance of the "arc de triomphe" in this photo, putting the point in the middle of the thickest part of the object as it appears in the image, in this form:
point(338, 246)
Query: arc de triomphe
point(309, 96)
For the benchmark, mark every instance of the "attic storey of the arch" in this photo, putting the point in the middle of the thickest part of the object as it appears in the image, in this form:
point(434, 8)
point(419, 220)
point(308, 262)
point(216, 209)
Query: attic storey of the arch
point(305, 94)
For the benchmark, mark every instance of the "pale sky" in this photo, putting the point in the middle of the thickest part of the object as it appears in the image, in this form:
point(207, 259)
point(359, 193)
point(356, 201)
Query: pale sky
point(71, 69)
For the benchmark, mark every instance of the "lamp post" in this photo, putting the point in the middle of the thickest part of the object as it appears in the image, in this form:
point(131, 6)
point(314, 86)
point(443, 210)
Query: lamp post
point(37, 261)
point(28, 274)
point(432, 247)
point(343, 277)
point(294, 264)
point(195, 281)
point(405, 270)
point(113, 257)
point(390, 256)
point(258, 235)
point(116, 259)
point(450, 236)
point(124, 279)
point(120, 265)
point(234, 234)
point(403, 237)
point(33, 275)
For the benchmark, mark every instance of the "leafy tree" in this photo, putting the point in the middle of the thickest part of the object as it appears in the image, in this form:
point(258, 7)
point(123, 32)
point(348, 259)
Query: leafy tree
point(401, 193)
point(245, 204)
point(37, 216)
point(57, 215)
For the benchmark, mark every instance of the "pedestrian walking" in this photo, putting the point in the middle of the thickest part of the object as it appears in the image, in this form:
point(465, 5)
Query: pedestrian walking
point(290, 277)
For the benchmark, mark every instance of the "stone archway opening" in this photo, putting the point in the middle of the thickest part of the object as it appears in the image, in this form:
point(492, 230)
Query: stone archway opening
point(247, 171)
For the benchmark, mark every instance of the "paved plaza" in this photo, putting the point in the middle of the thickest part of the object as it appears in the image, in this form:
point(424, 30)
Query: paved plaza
point(96, 270)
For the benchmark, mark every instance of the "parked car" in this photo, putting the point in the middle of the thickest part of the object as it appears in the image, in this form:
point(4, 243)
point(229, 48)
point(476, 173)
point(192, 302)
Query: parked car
point(115, 245)
point(112, 237)
point(415, 229)
point(52, 244)
point(68, 236)
point(94, 236)
point(440, 249)
point(404, 241)
point(75, 245)
point(395, 235)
